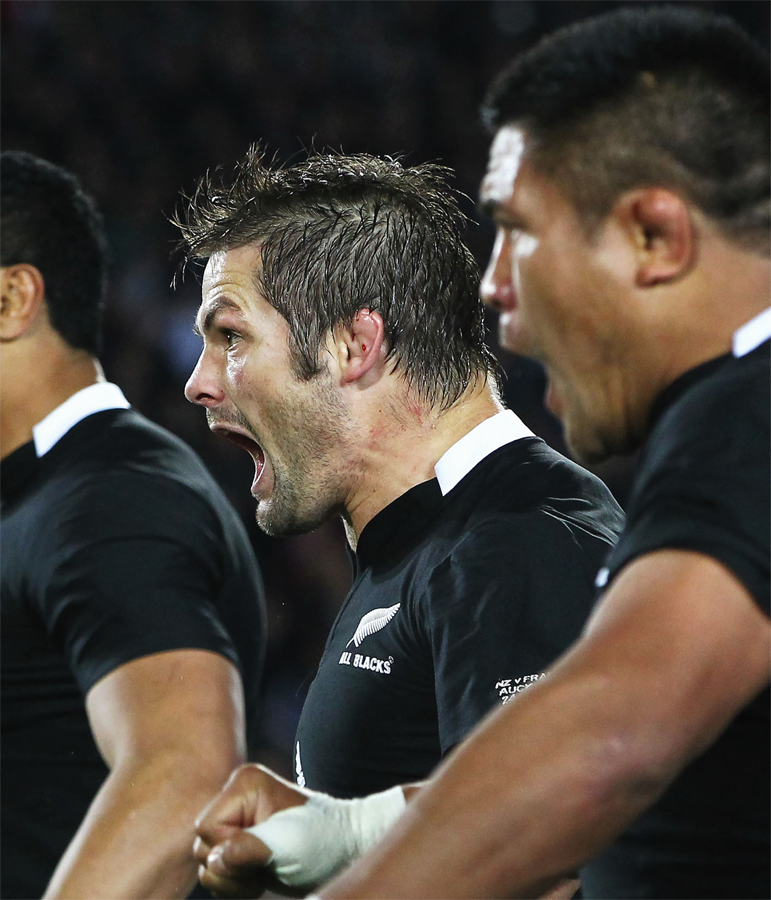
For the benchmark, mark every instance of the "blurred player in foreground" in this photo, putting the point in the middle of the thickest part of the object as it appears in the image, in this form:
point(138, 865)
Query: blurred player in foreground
point(629, 182)
point(344, 349)
point(132, 620)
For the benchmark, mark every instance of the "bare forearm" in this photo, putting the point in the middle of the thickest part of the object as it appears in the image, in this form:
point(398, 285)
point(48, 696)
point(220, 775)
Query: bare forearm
point(672, 654)
point(136, 840)
point(479, 830)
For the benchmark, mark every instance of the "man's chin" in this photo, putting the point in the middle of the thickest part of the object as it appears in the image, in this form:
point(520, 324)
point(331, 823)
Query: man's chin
point(585, 453)
point(275, 526)
point(282, 523)
point(591, 447)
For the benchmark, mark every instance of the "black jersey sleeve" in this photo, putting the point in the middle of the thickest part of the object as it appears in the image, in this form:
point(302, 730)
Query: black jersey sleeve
point(704, 484)
point(130, 570)
point(512, 596)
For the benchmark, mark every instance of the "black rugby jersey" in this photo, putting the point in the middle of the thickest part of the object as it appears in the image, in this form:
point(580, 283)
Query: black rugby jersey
point(116, 544)
point(703, 484)
point(458, 603)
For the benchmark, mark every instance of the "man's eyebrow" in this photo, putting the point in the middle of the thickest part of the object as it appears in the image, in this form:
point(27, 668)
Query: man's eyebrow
point(499, 213)
point(487, 207)
point(211, 311)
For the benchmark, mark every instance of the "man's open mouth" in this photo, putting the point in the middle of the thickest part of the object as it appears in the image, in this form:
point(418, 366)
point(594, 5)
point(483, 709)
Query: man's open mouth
point(242, 439)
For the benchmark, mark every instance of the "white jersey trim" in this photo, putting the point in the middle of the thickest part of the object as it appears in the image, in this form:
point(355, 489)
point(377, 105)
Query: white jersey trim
point(472, 448)
point(93, 399)
point(752, 334)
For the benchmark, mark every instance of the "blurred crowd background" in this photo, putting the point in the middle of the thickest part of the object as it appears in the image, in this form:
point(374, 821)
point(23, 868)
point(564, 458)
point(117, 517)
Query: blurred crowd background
point(140, 97)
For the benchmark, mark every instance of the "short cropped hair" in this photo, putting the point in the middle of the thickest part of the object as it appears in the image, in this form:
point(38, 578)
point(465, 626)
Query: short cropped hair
point(343, 233)
point(644, 96)
point(50, 223)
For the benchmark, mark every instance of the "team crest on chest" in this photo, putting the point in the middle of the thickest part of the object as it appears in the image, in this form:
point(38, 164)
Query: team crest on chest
point(374, 621)
point(370, 624)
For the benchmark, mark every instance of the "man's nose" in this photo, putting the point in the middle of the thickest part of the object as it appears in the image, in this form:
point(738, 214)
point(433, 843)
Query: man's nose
point(203, 386)
point(497, 286)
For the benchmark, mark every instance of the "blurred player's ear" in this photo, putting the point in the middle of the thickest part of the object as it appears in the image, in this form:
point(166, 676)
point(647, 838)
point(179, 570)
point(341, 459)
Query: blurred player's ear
point(22, 290)
point(360, 346)
point(659, 223)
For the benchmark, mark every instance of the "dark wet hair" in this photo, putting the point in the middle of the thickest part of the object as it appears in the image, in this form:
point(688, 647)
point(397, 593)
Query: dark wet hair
point(50, 223)
point(648, 95)
point(343, 233)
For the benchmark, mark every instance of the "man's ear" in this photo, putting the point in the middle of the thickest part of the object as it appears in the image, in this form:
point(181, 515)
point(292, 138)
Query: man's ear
point(22, 294)
point(361, 345)
point(660, 224)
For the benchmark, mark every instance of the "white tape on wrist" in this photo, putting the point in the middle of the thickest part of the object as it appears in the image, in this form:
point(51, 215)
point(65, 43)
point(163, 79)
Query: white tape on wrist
point(311, 843)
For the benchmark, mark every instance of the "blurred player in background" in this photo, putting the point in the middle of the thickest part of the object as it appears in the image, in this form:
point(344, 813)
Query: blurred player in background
point(629, 182)
point(132, 611)
point(344, 349)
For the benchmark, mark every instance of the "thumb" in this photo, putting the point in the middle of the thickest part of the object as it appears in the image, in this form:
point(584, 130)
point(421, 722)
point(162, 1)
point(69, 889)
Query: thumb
point(242, 851)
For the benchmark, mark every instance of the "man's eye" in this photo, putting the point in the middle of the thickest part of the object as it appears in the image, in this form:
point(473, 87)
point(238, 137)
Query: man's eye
point(230, 336)
point(511, 227)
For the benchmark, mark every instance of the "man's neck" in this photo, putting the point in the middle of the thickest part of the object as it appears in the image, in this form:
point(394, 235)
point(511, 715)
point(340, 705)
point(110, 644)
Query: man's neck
point(734, 287)
point(689, 324)
point(407, 448)
point(29, 395)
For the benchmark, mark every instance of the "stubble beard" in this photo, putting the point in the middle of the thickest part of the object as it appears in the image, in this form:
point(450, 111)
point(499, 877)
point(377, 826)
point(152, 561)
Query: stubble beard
point(290, 510)
point(308, 488)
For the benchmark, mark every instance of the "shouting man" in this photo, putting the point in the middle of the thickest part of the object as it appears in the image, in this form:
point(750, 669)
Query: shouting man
point(344, 349)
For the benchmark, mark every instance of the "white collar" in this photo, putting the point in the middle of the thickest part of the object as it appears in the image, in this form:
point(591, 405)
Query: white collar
point(472, 448)
point(93, 399)
point(753, 333)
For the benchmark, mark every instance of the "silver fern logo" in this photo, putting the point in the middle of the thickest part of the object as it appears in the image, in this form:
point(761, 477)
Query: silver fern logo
point(373, 622)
